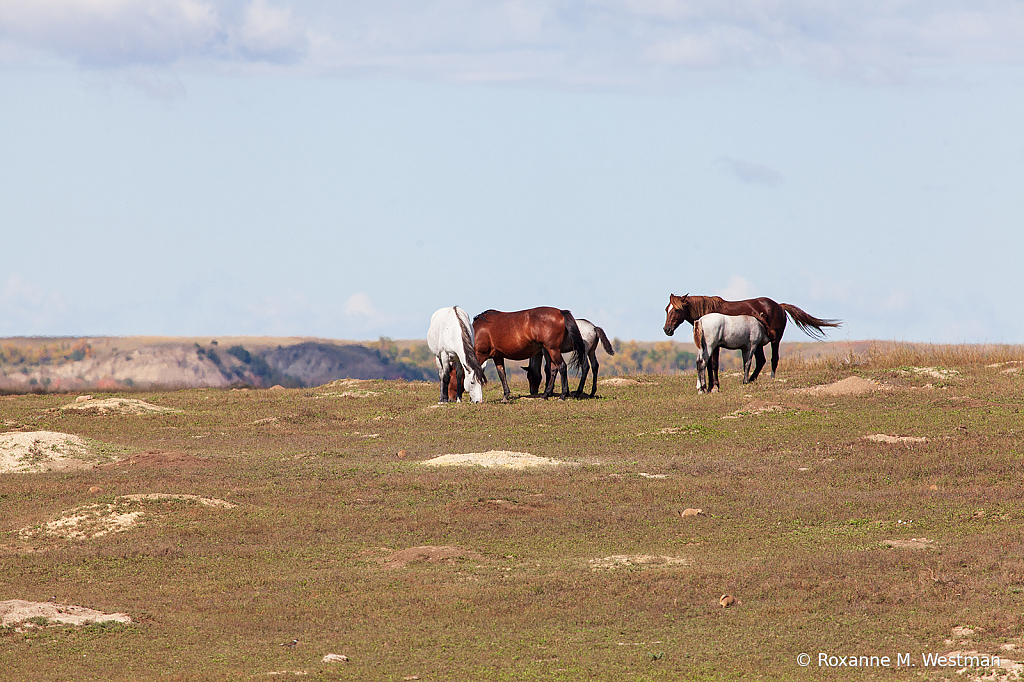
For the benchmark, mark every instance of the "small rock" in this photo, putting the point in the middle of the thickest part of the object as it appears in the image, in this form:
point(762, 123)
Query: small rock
point(334, 658)
point(402, 454)
point(933, 487)
point(95, 489)
point(690, 511)
point(83, 398)
point(727, 600)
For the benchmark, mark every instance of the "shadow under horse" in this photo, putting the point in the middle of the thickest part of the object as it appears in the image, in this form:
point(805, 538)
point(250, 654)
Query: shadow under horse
point(773, 315)
point(522, 334)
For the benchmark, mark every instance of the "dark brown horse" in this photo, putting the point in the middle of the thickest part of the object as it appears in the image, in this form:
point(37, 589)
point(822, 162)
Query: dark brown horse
point(773, 315)
point(523, 334)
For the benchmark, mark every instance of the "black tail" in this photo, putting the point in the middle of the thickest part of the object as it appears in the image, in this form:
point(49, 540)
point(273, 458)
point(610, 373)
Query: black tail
point(579, 346)
point(604, 341)
point(470, 351)
point(809, 324)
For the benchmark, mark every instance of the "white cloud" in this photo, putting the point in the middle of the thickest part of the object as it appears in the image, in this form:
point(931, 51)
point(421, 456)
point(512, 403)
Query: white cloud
point(752, 173)
point(26, 310)
point(624, 42)
point(737, 289)
point(360, 304)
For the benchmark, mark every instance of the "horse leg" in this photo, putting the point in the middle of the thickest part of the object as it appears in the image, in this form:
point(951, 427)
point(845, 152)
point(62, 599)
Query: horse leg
point(444, 375)
point(583, 379)
point(557, 367)
point(594, 366)
point(533, 374)
point(714, 370)
point(701, 366)
point(758, 362)
point(748, 354)
point(457, 383)
point(775, 355)
point(499, 364)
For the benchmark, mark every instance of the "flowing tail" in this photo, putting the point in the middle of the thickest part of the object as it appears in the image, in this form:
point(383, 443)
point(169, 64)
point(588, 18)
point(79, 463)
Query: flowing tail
point(809, 324)
point(472, 364)
point(604, 341)
point(579, 346)
point(698, 335)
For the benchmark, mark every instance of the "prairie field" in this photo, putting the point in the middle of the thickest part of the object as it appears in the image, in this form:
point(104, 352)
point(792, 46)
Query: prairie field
point(865, 508)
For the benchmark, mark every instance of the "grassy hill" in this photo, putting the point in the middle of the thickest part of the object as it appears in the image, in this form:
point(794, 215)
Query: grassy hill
point(867, 508)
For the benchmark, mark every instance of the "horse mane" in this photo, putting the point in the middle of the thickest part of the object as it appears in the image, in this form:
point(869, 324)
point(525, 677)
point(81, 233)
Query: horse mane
point(485, 316)
point(699, 306)
point(470, 351)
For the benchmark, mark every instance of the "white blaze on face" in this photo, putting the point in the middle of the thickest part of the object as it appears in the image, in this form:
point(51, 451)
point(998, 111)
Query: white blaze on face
point(476, 390)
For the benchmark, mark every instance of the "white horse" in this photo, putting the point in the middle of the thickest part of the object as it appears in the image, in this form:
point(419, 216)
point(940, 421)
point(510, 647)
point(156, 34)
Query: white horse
point(592, 335)
point(450, 339)
point(735, 332)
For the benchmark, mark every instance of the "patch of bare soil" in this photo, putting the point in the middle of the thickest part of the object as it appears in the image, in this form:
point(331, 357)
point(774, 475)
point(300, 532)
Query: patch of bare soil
point(848, 386)
point(933, 372)
point(23, 615)
point(883, 438)
point(1011, 367)
point(619, 381)
point(610, 563)
point(501, 459)
point(39, 451)
point(96, 520)
point(912, 543)
point(753, 409)
point(117, 406)
point(429, 554)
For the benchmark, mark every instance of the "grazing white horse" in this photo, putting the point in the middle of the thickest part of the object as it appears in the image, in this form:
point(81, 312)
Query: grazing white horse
point(592, 335)
point(450, 339)
point(735, 332)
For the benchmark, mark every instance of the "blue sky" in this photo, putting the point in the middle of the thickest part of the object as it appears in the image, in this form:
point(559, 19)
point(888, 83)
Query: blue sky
point(304, 167)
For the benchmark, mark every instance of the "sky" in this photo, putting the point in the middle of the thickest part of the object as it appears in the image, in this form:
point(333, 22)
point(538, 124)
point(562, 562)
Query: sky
point(343, 169)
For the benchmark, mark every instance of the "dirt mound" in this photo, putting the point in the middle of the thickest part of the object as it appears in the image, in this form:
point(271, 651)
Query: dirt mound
point(753, 409)
point(117, 406)
point(493, 458)
point(610, 563)
point(96, 520)
point(428, 553)
point(883, 438)
point(39, 451)
point(17, 612)
point(848, 386)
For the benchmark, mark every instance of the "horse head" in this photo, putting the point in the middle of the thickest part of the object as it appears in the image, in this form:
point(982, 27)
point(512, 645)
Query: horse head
point(676, 312)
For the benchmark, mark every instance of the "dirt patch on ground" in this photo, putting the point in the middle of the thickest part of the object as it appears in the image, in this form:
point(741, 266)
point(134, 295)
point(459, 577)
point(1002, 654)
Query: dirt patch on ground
point(22, 614)
point(118, 406)
point(610, 563)
point(912, 543)
point(883, 438)
point(501, 459)
point(848, 386)
point(933, 372)
point(430, 554)
point(619, 381)
point(96, 520)
point(38, 451)
point(755, 408)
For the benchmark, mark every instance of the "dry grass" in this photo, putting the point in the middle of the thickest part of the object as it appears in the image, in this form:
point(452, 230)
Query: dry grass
point(798, 514)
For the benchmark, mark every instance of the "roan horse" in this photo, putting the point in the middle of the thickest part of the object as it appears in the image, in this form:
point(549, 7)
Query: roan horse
point(773, 315)
point(735, 332)
point(450, 339)
point(525, 333)
point(592, 335)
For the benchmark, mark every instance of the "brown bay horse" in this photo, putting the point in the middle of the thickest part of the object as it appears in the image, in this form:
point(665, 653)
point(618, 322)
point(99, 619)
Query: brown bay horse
point(525, 333)
point(773, 315)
